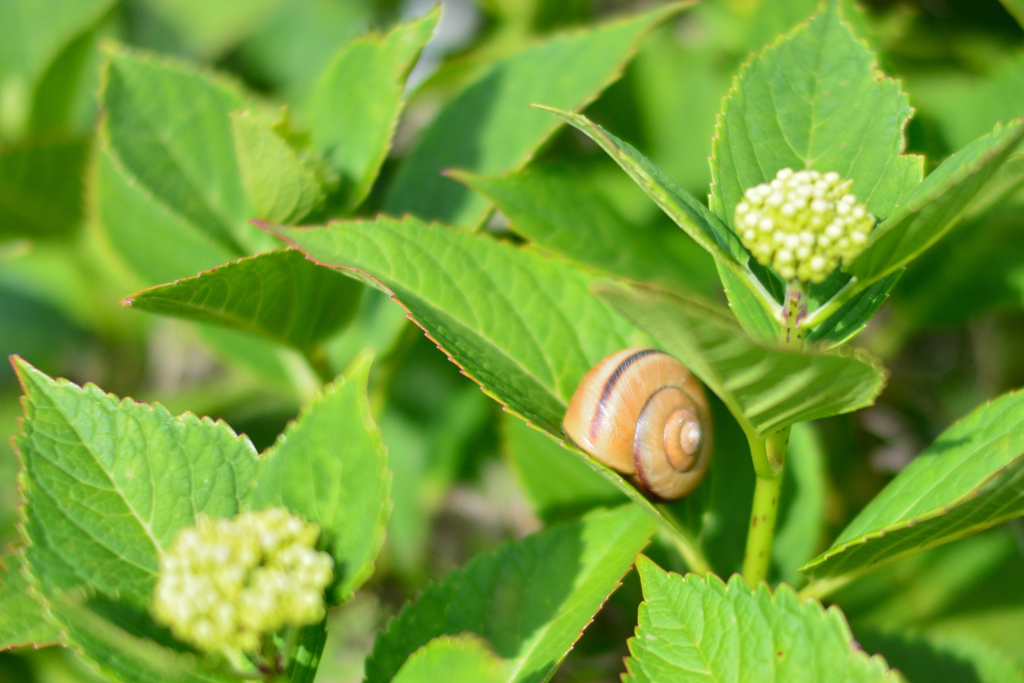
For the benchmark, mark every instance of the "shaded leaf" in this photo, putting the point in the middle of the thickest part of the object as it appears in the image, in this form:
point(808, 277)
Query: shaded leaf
point(969, 479)
point(765, 388)
point(924, 659)
point(530, 599)
point(330, 466)
point(23, 620)
point(458, 659)
point(279, 295)
point(488, 129)
point(209, 28)
point(800, 532)
point(41, 192)
point(814, 100)
point(847, 322)
point(304, 659)
point(108, 483)
point(280, 185)
point(370, 71)
point(700, 629)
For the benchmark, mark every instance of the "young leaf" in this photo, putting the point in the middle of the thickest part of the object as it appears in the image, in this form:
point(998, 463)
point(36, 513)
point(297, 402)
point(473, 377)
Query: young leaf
point(457, 659)
point(969, 479)
point(370, 71)
point(280, 185)
point(935, 205)
point(590, 231)
point(330, 466)
point(530, 599)
point(487, 128)
point(279, 295)
point(108, 483)
point(850, 319)
point(700, 629)
point(522, 325)
point(41, 192)
point(765, 388)
point(23, 621)
point(169, 126)
point(814, 100)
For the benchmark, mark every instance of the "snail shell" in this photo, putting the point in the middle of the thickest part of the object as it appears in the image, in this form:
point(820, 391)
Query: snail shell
point(642, 413)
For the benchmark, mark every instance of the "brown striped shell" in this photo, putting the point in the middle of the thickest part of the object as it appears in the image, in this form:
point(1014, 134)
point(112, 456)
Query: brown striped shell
point(642, 413)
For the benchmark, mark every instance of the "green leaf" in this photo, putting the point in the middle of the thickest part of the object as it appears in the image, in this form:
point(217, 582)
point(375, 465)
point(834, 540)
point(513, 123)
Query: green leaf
point(558, 485)
point(530, 599)
point(765, 388)
point(524, 326)
point(487, 128)
point(459, 659)
point(853, 316)
point(108, 483)
point(802, 513)
point(700, 629)
point(1016, 8)
point(590, 231)
point(331, 467)
point(935, 205)
point(41, 192)
point(169, 126)
point(372, 71)
point(759, 324)
point(304, 659)
point(814, 100)
point(969, 479)
point(23, 620)
point(279, 295)
point(210, 28)
point(280, 185)
point(925, 659)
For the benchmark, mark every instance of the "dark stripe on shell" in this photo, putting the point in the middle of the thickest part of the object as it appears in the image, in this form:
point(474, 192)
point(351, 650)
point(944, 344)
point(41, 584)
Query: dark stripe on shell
point(609, 386)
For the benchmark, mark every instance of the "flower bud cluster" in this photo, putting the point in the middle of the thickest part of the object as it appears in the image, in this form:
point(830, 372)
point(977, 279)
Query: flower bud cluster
point(224, 583)
point(803, 224)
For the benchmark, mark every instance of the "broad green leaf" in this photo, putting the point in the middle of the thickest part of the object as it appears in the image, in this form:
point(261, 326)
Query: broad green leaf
point(524, 326)
point(759, 324)
point(935, 205)
point(850, 319)
point(765, 388)
point(23, 620)
point(487, 128)
point(370, 71)
point(456, 659)
point(170, 128)
point(124, 656)
point(209, 28)
point(590, 231)
point(800, 532)
point(923, 659)
point(279, 295)
point(697, 221)
point(1016, 8)
point(530, 599)
point(558, 485)
point(969, 479)
point(814, 100)
point(108, 483)
point(700, 629)
point(41, 192)
point(304, 659)
point(280, 185)
point(330, 466)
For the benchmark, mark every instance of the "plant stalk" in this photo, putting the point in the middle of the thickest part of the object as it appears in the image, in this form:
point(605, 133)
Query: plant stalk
point(794, 311)
point(758, 556)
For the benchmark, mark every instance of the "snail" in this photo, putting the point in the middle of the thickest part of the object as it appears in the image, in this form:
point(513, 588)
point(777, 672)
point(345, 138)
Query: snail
point(643, 414)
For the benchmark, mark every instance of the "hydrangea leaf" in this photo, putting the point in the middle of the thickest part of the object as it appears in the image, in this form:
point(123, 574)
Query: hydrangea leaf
point(279, 295)
point(108, 483)
point(211, 28)
point(487, 128)
point(41, 195)
point(530, 599)
point(458, 659)
point(765, 388)
point(848, 321)
point(935, 205)
point(304, 659)
point(699, 629)
point(969, 479)
point(330, 466)
point(281, 186)
point(814, 100)
point(372, 71)
point(590, 231)
point(934, 658)
point(23, 620)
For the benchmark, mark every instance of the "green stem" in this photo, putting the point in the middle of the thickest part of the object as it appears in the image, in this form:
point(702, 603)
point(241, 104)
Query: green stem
point(758, 556)
point(794, 311)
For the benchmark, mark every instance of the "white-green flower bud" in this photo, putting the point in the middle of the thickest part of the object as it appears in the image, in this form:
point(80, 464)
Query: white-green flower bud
point(226, 583)
point(803, 224)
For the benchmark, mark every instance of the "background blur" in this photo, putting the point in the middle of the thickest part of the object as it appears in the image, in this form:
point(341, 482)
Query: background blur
point(457, 460)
